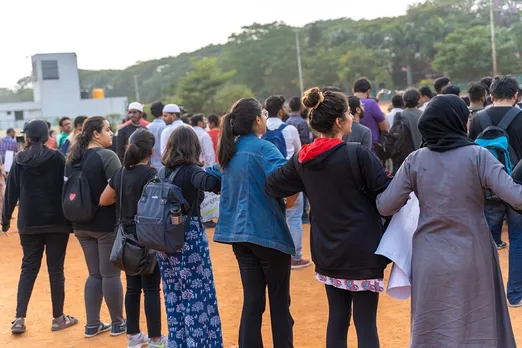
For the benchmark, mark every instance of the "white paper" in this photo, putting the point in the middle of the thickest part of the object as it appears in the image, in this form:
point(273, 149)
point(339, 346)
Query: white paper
point(396, 244)
point(209, 207)
point(8, 161)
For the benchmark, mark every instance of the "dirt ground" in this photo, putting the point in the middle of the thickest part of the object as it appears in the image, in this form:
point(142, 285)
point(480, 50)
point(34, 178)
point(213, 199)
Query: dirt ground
point(309, 306)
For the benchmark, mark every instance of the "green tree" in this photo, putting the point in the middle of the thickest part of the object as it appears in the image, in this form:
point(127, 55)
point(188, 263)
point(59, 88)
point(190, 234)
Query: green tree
point(199, 86)
point(466, 53)
point(364, 62)
point(228, 95)
point(314, 35)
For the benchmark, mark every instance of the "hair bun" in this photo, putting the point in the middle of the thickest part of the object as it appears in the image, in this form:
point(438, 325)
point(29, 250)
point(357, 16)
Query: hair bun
point(313, 98)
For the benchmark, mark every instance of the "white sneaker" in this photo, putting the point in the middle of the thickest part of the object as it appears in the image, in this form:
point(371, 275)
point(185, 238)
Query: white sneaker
point(138, 341)
point(163, 343)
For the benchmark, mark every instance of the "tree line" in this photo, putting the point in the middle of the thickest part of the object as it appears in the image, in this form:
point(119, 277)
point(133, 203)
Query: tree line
point(435, 37)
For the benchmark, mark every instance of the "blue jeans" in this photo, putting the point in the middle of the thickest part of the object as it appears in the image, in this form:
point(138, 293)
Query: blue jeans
point(494, 214)
point(295, 224)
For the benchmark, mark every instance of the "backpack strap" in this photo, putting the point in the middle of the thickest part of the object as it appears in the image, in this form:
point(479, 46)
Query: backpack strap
point(353, 163)
point(281, 127)
point(509, 117)
point(173, 175)
point(121, 196)
point(484, 119)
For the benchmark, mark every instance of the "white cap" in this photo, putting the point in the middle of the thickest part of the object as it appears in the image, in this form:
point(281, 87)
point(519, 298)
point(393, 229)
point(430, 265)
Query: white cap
point(171, 108)
point(136, 106)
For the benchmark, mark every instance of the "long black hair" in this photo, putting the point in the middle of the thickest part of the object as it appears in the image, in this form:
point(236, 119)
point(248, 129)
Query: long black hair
point(140, 146)
point(239, 121)
point(91, 125)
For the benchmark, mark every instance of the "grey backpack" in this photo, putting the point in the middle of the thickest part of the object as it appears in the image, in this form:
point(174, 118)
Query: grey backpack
point(153, 224)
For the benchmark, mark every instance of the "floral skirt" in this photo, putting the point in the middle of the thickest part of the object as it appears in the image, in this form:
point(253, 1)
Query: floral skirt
point(190, 295)
point(374, 285)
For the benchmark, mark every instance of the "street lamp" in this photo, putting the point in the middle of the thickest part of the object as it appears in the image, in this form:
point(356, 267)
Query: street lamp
point(299, 67)
point(493, 42)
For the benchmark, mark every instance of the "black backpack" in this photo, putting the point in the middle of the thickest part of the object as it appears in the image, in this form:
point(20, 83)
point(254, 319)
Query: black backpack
point(77, 203)
point(399, 142)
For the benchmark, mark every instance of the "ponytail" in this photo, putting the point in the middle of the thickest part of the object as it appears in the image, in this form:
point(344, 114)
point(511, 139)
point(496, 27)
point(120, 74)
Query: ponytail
point(240, 121)
point(227, 143)
point(78, 149)
point(82, 140)
point(141, 143)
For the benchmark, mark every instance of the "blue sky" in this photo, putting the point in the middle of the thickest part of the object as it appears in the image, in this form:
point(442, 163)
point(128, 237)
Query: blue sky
point(117, 33)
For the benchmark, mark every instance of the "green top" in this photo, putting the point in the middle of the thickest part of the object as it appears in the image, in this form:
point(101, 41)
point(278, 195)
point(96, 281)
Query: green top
point(61, 139)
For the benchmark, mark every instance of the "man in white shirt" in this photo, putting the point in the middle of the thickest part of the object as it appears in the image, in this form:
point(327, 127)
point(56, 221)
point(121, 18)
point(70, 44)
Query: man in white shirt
point(275, 107)
point(398, 106)
point(172, 117)
point(426, 96)
point(156, 127)
point(207, 147)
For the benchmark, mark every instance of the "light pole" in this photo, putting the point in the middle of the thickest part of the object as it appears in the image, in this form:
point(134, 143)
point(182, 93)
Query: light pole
point(299, 67)
point(493, 41)
point(136, 88)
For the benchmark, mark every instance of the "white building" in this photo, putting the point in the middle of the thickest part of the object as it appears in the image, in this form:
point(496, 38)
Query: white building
point(56, 93)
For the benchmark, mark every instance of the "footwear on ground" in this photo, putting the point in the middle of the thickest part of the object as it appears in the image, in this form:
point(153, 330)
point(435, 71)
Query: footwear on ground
point(138, 341)
point(95, 331)
point(297, 264)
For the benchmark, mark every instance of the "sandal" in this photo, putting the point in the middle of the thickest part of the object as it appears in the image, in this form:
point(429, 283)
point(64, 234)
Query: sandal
point(63, 322)
point(18, 326)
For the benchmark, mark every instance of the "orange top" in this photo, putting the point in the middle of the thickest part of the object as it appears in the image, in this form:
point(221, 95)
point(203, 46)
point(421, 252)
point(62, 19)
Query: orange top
point(214, 135)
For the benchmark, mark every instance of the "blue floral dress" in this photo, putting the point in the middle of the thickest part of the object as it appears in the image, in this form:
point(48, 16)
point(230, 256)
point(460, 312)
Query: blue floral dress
point(190, 295)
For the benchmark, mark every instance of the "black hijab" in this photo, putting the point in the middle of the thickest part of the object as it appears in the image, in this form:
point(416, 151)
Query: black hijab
point(443, 125)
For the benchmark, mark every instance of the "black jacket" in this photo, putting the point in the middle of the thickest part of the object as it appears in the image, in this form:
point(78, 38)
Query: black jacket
point(36, 182)
point(345, 226)
point(122, 139)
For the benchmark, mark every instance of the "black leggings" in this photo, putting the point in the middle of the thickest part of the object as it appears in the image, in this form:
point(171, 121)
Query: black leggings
point(364, 316)
point(151, 289)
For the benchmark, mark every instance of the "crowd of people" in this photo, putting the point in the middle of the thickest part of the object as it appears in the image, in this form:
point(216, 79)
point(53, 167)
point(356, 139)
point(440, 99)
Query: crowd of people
point(333, 160)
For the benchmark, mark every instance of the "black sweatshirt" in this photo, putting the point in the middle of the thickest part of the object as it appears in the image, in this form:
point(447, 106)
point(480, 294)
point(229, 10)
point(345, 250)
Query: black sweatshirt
point(36, 181)
point(345, 226)
point(122, 139)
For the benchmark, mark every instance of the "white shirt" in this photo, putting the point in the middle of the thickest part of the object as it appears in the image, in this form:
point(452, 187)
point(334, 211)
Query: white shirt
point(424, 106)
point(391, 116)
point(157, 127)
point(291, 134)
point(207, 147)
point(165, 135)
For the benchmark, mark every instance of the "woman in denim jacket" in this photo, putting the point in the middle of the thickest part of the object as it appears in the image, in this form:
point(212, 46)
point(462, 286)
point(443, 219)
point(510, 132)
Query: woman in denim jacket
point(254, 223)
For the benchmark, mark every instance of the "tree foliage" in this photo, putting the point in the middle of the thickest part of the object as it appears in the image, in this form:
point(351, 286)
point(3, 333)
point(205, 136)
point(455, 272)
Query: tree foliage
point(197, 89)
point(466, 53)
point(434, 37)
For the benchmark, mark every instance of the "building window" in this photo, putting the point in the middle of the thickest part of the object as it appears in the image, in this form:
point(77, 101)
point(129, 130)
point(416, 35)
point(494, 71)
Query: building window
point(9, 112)
point(50, 70)
point(19, 115)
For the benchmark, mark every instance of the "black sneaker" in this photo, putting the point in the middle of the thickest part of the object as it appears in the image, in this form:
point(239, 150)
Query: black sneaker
point(95, 331)
point(502, 245)
point(119, 329)
point(209, 224)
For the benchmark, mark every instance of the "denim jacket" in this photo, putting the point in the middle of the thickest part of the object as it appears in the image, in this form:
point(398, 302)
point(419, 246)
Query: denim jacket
point(246, 212)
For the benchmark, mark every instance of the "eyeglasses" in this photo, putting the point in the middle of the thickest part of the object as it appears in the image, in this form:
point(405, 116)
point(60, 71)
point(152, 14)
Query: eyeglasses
point(264, 113)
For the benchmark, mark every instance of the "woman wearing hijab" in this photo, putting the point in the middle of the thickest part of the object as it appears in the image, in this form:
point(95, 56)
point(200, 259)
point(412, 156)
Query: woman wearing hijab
point(35, 182)
point(458, 297)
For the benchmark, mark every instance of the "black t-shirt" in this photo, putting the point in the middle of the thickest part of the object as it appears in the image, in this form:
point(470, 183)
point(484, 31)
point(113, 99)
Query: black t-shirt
point(134, 180)
point(514, 130)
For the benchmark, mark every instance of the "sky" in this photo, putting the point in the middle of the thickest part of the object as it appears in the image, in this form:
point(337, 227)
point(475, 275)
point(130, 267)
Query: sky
point(114, 34)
